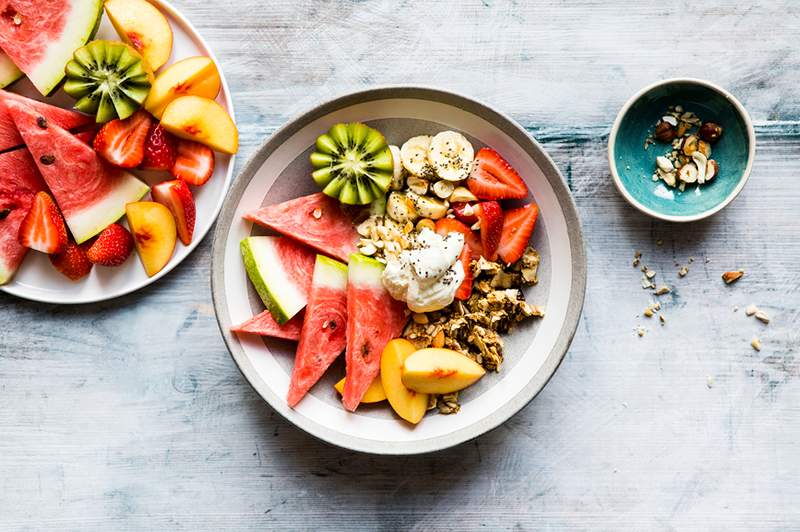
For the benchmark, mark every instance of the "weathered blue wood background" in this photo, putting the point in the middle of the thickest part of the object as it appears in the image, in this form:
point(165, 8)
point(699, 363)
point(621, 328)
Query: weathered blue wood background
point(130, 415)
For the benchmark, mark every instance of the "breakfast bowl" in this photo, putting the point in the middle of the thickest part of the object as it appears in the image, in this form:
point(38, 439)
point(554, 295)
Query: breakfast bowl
point(646, 164)
point(281, 171)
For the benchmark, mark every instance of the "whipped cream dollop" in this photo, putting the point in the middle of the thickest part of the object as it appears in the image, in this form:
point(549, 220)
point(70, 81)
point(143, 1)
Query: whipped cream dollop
point(427, 275)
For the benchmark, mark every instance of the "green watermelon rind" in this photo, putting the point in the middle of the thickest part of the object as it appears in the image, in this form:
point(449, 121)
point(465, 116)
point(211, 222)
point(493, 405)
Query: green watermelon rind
point(365, 270)
point(82, 24)
point(9, 73)
point(330, 273)
point(264, 268)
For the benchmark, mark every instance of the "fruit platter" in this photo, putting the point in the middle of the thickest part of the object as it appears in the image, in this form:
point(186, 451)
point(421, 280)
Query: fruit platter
point(117, 139)
point(398, 270)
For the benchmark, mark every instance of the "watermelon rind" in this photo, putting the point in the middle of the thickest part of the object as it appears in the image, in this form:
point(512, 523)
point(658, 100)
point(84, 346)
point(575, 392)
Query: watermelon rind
point(82, 22)
point(91, 221)
point(365, 270)
point(329, 272)
point(272, 282)
point(9, 73)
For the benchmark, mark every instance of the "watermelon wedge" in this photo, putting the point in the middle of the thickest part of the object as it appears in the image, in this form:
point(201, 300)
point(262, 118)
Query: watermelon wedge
point(9, 73)
point(316, 220)
point(280, 270)
point(9, 136)
point(40, 37)
point(323, 337)
point(265, 325)
point(19, 182)
point(90, 192)
point(374, 318)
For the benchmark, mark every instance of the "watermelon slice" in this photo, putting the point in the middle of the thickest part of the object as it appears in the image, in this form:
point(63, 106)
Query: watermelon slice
point(280, 270)
point(323, 337)
point(19, 182)
point(9, 136)
point(9, 73)
point(90, 192)
point(39, 37)
point(316, 220)
point(265, 325)
point(374, 318)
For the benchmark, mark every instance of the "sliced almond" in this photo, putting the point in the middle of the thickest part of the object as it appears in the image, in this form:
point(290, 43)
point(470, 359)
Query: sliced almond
point(462, 195)
point(732, 277)
point(688, 173)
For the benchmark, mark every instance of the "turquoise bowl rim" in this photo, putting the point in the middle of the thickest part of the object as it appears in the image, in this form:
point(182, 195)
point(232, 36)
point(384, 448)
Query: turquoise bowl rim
point(751, 152)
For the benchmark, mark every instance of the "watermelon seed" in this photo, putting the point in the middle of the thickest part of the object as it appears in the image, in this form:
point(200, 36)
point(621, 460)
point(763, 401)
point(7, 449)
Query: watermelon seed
point(4, 213)
point(47, 159)
point(41, 122)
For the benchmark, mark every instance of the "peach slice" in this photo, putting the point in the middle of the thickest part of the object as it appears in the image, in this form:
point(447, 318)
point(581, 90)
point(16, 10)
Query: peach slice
point(202, 120)
point(144, 27)
point(408, 404)
point(374, 393)
point(439, 370)
point(193, 76)
point(154, 234)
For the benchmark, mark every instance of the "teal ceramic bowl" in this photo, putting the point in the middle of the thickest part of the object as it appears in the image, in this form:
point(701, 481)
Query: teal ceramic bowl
point(632, 166)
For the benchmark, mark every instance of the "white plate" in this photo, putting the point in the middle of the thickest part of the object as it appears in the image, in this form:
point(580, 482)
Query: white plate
point(39, 281)
point(280, 170)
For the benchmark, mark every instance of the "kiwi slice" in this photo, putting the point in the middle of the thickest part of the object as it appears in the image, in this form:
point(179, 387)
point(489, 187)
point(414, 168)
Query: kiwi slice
point(352, 163)
point(109, 79)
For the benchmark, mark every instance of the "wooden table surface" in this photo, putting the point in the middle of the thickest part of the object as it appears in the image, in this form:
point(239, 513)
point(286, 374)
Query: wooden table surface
point(130, 414)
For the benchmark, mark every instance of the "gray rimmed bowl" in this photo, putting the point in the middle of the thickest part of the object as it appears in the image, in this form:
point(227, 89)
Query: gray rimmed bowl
point(279, 170)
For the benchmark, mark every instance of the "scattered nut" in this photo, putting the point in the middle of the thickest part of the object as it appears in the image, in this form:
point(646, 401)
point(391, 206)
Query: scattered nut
point(665, 131)
point(700, 161)
point(689, 145)
point(438, 339)
point(683, 271)
point(762, 316)
point(669, 119)
point(664, 164)
point(710, 132)
point(750, 310)
point(649, 273)
point(688, 173)
point(712, 169)
point(648, 312)
point(704, 148)
point(662, 290)
point(755, 343)
point(732, 277)
point(662, 319)
point(640, 331)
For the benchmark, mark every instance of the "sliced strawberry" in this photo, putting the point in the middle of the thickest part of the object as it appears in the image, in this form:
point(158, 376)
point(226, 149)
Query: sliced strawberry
point(112, 247)
point(448, 225)
point(121, 142)
point(490, 217)
point(517, 230)
point(177, 197)
point(465, 290)
point(492, 178)
point(194, 162)
point(73, 262)
point(464, 212)
point(43, 227)
point(160, 149)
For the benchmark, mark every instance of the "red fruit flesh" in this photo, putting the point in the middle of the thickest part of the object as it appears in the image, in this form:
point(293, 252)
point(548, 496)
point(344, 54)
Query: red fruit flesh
point(177, 197)
point(112, 247)
point(492, 178)
point(464, 212)
point(490, 216)
point(43, 227)
point(121, 142)
point(160, 149)
point(465, 290)
point(194, 162)
point(449, 225)
point(264, 324)
point(72, 262)
point(518, 226)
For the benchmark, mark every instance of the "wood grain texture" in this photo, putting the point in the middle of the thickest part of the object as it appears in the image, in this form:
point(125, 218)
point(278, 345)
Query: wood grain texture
point(130, 415)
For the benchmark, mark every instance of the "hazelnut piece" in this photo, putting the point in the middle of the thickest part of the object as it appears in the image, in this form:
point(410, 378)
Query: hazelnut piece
point(710, 132)
point(665, 131)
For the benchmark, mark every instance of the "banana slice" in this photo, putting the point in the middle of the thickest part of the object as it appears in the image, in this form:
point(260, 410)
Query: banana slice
point(414, 154)
point(397, 172)
point(451, 155)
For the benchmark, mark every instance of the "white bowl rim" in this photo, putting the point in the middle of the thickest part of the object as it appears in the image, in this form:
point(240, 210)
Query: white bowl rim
point(537, 381)
point(751, 137)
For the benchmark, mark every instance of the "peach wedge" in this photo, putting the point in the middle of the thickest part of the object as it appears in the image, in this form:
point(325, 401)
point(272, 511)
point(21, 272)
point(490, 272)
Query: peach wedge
point(439, 370)
point(144, 27)
point(374, 393)
point(193, 76)
point(154, 234)
point(202, 120)
point(408, 404)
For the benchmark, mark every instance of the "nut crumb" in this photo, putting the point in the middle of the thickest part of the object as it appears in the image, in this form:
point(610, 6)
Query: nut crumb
point(733, 276)
point(648, 312)
point(755, 343)
point(640, 331)
point(662, 319)
point(663, 290)
point(750, 310)
point(659, 242)
point(691, 260)
point(649, 273)
point(762, 317)
point(683, 271)
point(709, 382)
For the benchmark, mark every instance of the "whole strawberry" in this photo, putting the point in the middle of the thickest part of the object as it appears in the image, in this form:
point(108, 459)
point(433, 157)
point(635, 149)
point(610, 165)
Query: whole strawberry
point(159, 149)
point(72, 262)
point(112, 247)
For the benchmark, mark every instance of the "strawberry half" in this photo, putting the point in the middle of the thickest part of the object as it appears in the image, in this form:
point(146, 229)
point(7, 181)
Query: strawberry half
point(465, 290)
point(490, 216)
point(449, 225)
point(194, 162)
point(464, 212)
point(517, 230)
point(177, 197)
point(492, 178)
point(112, 247)
point(72, 262)
point(43, 227)
point(160, 149)
point(121, 142)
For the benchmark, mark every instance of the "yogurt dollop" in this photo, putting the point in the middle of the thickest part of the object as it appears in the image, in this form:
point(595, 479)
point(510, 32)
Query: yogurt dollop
point(427, 275)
